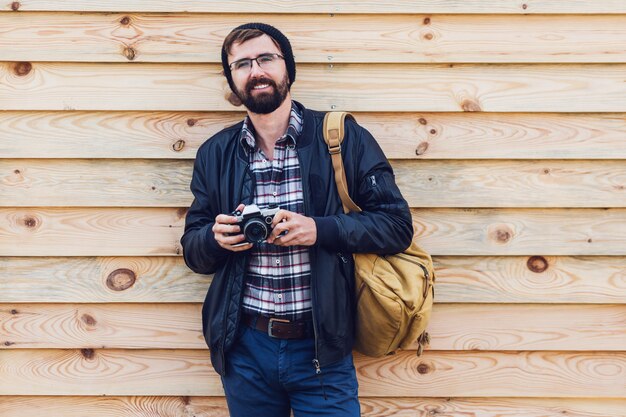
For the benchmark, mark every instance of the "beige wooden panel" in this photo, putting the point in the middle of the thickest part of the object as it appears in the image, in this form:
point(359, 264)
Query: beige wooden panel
point(123, 37)
point(152, 279)
point(407, 87)
point(455, 327)
point(401, 135)
point(521, 231)
point(440, 374)
point(80, 232)
point(165, 183)
point(31, 406)
point(328, 6)
point(157, 231)
point(535, 279)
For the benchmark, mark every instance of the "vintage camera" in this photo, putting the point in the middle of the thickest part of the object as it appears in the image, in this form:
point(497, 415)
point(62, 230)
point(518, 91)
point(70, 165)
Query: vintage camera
point(255, 223)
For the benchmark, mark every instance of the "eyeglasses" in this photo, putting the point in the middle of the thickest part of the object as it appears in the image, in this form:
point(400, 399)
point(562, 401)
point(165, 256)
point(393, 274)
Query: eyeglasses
point(265, 61)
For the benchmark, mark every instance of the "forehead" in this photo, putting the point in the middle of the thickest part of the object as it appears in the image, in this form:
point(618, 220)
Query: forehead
point(252, 48)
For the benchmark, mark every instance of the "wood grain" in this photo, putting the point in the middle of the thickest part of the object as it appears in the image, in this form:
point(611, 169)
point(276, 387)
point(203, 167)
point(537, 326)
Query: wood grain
point(533, 279)
point(436, 374)
point(90, 406)
point(79, 232)
point(165, 183)
point(140, 37)
point(267, 7)
point(406, 87)
point(521, 231)
point(153, 279)
point(463, 279)
point(158, 135)
point(475, 232)
point(453, 327)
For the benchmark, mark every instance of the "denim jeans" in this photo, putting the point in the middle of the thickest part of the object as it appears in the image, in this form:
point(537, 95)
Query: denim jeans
point(266, 376)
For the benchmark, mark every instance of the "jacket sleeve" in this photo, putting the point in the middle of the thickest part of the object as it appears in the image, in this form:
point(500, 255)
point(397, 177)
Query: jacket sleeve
point(384, 226)
point(201, 251)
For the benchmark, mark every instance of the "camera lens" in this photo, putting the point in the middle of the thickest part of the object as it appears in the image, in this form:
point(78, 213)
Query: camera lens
point(255, 231)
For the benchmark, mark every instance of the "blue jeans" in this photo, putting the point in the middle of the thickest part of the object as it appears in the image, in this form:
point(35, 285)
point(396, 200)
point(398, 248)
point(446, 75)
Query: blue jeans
point(269, 377)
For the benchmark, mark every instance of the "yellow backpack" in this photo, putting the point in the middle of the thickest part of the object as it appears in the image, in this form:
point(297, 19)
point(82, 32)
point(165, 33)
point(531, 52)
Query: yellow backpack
point(394, 293)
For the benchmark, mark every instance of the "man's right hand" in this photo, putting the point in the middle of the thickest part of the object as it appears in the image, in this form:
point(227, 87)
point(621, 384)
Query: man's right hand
point(223, 226)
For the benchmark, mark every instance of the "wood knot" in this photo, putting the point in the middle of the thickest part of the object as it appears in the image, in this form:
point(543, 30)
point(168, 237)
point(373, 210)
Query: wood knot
point(125, 21)
point(191, 122)
point(87, 353)
point(422, 121)
point(129, 53)
point(470, 105)
point(432, 131)
point(501, 234)
point(15, 6)
point(186, 400)
point(537, 264)
point(178, 145)
point(14, 311)
point(88, 320)
point(524, 6)
point(590, 240)
point(22, 68)
point(546, 170)
point(423, 368)
point(427, 21)
point(30, 222)
point(428, 36)
point(177, 249)
point(7, 343)
point(121, 279)
point(421, 148)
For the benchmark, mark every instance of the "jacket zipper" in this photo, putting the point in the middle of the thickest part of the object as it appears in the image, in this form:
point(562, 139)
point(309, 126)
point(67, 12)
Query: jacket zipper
point(316, 362)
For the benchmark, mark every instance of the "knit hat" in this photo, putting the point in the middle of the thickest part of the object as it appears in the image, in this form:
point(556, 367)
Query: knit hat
point(277, 35)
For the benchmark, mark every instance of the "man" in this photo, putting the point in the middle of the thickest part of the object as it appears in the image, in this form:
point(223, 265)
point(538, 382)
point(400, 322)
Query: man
point(279, 315)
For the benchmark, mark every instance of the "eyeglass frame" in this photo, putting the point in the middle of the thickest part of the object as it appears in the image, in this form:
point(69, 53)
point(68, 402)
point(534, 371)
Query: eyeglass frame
point(230, 66)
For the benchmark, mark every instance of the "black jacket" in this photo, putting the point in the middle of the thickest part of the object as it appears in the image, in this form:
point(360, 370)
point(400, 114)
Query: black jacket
point(222, 180)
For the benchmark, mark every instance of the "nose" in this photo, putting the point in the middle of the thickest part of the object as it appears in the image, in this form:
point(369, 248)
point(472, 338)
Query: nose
point(256, 69)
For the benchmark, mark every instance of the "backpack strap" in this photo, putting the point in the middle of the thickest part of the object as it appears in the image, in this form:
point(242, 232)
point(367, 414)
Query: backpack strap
point(334, 123)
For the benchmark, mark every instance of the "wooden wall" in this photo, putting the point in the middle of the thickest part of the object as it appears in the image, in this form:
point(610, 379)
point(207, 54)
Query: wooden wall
point(504, 121)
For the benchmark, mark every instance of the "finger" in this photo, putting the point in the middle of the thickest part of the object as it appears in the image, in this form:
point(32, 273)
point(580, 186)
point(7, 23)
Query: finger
point(240, 207)
point(225, 229)
point(229, 240)
point(240, 248)
point(281, 216)
point(225, 219)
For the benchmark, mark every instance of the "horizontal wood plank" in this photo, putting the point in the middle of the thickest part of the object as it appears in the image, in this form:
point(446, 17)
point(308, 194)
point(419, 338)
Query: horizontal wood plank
point(453, 327)
point(90, 406)
point(322, 38)
point(534, 279)
point(439, 374)
point(521, 231)
point(401, 135)
point(157, 231)
point(327, 6)
point(165, 183)
point(407, 87)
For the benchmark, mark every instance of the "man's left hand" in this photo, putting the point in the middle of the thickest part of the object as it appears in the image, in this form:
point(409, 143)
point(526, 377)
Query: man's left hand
point(301, 230)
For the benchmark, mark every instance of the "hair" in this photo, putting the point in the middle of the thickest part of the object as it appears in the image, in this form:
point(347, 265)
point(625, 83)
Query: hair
point(243, 35)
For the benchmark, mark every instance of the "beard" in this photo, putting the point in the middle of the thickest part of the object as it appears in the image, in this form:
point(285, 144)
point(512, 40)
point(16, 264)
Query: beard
point(266, 102)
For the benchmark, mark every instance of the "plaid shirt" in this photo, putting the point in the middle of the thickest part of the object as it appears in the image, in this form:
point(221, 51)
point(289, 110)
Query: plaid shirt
point(278, 279)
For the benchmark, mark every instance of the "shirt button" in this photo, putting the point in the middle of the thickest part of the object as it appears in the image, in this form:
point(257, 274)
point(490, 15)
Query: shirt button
point(277, 261)
point(279, 296)
point(274, 193)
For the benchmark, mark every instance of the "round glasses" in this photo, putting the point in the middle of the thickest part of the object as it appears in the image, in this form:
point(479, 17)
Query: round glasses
point(265, 61)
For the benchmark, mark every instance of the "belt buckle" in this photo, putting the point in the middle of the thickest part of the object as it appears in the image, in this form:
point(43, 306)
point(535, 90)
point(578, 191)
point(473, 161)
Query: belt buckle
point(270, 325)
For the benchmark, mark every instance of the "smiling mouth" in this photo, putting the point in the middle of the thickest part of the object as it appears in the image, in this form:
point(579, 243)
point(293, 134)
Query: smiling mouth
point(260, 86)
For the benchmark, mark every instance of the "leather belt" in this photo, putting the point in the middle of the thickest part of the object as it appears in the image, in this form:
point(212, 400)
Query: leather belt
point(279, 328)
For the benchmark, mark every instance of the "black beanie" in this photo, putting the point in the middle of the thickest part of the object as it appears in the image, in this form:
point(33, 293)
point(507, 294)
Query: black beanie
point(277, 35)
